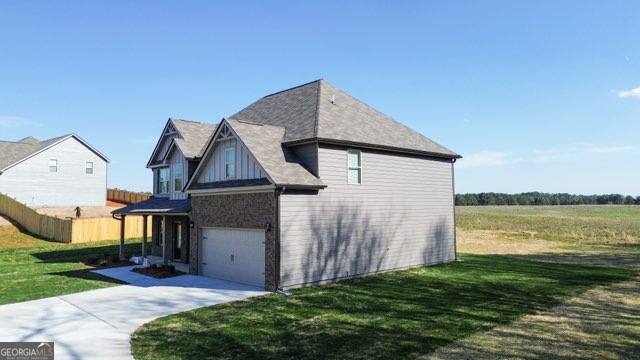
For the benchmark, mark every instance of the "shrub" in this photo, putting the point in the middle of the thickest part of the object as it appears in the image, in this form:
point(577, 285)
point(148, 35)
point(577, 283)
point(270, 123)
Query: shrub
point(115, 259)
point(92, 260)
point(171, 268)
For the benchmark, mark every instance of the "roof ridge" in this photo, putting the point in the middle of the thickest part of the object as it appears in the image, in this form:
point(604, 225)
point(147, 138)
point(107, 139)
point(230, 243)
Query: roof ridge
point(317, 116)
point(292, 88)
point(192, 121)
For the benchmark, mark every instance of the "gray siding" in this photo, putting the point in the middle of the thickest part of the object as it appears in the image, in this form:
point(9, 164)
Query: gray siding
point(31, 183)
point(308, 154)
point(401, 216)
point(246, 166)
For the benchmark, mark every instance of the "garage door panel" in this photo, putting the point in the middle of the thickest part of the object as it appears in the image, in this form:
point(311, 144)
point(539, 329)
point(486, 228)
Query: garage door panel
point(234, 254)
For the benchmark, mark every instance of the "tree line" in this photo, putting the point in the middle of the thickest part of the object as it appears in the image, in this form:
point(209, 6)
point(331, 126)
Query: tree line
point(538, 198)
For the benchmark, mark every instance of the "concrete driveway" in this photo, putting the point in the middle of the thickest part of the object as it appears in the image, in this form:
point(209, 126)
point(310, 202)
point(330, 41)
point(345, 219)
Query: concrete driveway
point(97, 324)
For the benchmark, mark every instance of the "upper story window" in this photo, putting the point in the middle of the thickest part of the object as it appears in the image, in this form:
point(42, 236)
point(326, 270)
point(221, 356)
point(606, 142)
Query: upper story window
point(88, 168)
point(163, 181)
point(53, 165)
point(230, 162)
point(354, 167)
point(178, 177)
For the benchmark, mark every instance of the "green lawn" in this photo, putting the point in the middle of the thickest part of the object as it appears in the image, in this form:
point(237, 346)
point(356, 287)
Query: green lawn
point(31, 268)
point(402, 314)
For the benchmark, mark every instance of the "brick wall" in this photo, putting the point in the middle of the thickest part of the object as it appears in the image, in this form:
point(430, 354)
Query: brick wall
point(248, 211)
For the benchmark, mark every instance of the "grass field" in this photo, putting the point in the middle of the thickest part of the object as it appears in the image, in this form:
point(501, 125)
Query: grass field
point(495, 305)
point(31, 268)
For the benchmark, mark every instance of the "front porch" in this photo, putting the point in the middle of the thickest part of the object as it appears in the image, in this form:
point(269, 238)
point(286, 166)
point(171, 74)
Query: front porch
point(180, 266)
point(170, 230)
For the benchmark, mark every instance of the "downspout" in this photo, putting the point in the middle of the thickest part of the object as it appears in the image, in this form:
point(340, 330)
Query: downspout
point(453, 189)
point(277, 239)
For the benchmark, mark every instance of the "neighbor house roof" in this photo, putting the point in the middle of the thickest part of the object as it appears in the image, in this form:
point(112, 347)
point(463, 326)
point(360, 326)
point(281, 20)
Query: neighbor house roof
point(320, 111)
point(14, 152)
point(156, 205)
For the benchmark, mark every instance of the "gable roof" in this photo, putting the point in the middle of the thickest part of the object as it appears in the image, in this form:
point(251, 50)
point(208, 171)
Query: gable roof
point(14, 152)
point(193, 137)
point(320, 111)
point(281, 165)
point(264, 142)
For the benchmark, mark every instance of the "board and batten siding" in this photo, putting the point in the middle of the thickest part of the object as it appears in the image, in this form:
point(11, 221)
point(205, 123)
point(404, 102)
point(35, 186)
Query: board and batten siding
point(401, 216)
point(31, 183)
point(246, 165)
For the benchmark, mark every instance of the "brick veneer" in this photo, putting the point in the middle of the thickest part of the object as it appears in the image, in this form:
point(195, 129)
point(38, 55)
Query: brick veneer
point(248, 211)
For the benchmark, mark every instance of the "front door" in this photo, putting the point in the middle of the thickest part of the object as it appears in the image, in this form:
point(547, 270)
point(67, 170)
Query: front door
point(177, 244)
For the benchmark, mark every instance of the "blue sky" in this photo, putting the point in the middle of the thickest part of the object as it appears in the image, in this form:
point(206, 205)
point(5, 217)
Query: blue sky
point(536, 95)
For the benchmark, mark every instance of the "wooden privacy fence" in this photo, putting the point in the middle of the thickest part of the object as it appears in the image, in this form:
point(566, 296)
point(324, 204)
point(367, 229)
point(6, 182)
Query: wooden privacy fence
point(126, 197)
point(70, 230)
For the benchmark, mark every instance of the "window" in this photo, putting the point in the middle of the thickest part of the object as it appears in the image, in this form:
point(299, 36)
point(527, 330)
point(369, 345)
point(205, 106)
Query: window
point(354, 159)
point(163, 181)
point(88, 169)
point(230, 162)
point(177, 177)
point(53, 165)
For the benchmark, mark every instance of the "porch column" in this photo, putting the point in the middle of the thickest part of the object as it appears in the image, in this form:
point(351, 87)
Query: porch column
point(165, 253)
point(122, 237)
point(144, 236)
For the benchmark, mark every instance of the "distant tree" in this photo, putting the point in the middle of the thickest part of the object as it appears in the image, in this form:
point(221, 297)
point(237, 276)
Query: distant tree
point(538, 198)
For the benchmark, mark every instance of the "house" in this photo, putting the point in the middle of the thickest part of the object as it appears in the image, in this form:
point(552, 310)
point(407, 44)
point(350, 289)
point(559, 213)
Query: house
point(305, 186)
point(58, 172)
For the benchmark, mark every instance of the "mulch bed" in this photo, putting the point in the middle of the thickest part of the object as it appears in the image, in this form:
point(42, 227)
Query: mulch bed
point(158, 273)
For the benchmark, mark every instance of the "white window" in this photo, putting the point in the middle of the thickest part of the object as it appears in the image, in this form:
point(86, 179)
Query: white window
point(354, 167)
point(177, 177)
point(53, 165)
point(88, 169)
point(163, 181)
point(230, 162)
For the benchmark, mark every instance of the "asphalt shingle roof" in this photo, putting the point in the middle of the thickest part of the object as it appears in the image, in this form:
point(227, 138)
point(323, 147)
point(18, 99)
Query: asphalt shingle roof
point(265, 144)
point(156, 205)
point(319, 110)
point(195, 136)
point(13, 151)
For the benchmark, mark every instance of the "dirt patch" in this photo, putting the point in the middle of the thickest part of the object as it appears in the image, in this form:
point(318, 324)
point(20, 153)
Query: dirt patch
point(4, 221)
point(600, 323)
point(503, 242)
point(85, 212)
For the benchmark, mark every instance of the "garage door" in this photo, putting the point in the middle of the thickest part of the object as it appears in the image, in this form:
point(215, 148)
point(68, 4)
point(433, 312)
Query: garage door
point(234, 255)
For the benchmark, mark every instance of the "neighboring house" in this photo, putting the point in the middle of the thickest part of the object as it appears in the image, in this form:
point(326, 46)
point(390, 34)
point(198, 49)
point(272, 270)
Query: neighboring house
point(304, 186)
point(59, 172)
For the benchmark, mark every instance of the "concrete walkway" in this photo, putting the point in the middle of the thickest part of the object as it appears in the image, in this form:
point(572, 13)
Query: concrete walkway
point(97, 324)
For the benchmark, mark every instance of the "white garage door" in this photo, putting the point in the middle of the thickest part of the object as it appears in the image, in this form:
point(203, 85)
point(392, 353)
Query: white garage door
point(234, 255)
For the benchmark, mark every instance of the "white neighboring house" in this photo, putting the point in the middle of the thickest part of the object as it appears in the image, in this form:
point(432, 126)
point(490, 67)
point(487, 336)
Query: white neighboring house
point(59, 172)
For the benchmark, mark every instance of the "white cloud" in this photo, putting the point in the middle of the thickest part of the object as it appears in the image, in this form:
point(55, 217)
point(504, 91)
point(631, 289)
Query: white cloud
point(574, 152)
point(8, 121)
point(610, 149)
point(578, 152)
point(483, 159)
point(635, 93)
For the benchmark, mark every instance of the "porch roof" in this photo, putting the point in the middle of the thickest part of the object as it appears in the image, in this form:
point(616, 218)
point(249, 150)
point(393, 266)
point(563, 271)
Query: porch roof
point(156, 206)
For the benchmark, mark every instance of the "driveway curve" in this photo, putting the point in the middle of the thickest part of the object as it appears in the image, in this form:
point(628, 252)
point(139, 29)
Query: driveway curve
point(98, 324)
